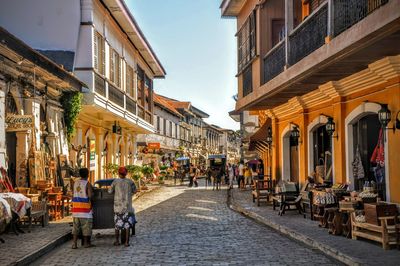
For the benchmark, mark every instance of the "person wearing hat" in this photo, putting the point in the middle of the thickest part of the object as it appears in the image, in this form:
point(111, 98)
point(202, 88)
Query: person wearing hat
point(124, 216)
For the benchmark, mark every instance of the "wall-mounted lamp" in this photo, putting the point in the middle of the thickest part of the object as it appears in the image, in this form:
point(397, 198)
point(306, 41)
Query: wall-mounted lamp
point(269, 136)
point(330, 127)
point(385, 116)
point(295, 134)
point(104, 152)
point(130, 155)
point(118, 154)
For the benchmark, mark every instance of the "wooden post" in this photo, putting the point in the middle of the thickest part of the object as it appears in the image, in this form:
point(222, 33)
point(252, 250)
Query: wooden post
point(288, 28)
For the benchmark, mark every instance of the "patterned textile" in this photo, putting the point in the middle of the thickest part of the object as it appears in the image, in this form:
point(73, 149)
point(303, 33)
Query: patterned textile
point(81, 206)
point(123, 189)
point(124, 220)
point(18, 202)
point(5, 214)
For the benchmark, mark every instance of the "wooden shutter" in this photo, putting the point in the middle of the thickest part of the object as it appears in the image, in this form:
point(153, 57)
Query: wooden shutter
point(95, 51)
point(118, 72)
point(112, 65)
point(102, 56)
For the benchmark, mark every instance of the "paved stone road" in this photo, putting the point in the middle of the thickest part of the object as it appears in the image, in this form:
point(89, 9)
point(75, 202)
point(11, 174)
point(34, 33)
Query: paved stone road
point(179, 226)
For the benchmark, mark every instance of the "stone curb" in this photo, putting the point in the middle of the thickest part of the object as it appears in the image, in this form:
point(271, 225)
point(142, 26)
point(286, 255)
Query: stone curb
point(326, 249)
point(33, 256)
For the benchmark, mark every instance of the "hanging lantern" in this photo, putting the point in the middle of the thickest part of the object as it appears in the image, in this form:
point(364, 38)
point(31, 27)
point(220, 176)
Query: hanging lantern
point(294, 135)
point(384, 115)
point(269, 136)
point(330, 126)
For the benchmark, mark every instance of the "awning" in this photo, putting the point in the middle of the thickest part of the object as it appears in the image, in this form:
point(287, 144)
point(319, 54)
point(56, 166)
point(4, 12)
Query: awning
point(258, 141)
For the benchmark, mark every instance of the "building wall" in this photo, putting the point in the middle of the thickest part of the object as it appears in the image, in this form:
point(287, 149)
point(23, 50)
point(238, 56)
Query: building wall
point(346, 101)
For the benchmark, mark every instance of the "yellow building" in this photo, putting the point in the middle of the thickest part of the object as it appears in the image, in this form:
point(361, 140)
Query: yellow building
point(324, 78)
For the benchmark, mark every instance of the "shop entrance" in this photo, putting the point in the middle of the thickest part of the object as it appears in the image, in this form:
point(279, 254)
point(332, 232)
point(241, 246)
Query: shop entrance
point(290, 158)
point(322, 153)
point(365, 139)
point(11, 142)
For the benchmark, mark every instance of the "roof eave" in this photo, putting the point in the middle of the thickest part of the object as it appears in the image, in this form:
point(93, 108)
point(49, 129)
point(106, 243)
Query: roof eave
point(134, 29)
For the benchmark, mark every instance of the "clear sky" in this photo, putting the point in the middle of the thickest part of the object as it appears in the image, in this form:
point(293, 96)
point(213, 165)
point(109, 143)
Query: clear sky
point(198, 51)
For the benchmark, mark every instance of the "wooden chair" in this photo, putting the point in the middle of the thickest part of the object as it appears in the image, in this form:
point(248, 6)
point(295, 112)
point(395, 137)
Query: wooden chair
point(261, 191)
point(38, 212)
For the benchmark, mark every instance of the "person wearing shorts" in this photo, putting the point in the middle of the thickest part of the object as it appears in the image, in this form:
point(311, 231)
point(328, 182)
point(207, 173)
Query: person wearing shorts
point(82, 209)
point(124, 215)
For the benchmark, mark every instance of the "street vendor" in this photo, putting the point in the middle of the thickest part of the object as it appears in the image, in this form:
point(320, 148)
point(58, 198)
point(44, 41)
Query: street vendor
point(82, 209)
point(124, 216)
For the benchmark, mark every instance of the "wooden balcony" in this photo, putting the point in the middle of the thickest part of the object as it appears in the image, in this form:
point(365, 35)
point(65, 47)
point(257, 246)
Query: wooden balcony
point(338, 39)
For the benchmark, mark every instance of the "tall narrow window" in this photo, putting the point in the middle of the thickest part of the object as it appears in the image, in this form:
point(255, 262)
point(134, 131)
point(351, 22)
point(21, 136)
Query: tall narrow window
point(170, 128)
point(98, 53)
point(165, 127)
point(115, 67)
point(158, 124)
point(247, 81)
point(140, 85)
point(129, 81)
point(247, 42)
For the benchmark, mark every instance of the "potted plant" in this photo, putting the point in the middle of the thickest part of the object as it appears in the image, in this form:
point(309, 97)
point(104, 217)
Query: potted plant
point(147, 172)
point(135, 172)
point(111, 170)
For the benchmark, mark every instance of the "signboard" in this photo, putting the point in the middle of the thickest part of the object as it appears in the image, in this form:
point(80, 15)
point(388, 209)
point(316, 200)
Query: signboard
point(154, 146)
point(92, 155)
point(19, 122)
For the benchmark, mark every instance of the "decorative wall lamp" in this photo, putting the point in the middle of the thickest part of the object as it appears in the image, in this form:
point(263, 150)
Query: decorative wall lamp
point(269, 136)
point(330, 127)
point(118, 154)
point(104, 152)
point(384, 116)
point(295, 134)
point(130, 155)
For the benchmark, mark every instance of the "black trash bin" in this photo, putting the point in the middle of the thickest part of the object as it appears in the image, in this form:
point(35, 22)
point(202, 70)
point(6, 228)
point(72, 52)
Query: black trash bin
point(103, 205)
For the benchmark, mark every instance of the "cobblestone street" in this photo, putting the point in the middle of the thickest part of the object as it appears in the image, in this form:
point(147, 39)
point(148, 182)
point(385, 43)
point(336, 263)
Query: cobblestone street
point(190, 227)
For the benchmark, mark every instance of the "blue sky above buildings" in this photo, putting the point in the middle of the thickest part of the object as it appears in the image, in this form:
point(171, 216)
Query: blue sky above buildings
point(198, 50)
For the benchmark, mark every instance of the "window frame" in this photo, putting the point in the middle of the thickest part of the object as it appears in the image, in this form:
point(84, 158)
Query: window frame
point(247, 41)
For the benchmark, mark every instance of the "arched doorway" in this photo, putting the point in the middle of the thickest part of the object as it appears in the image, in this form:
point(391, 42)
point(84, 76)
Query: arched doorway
point(290, 157)
point(11, 140)
point(362, 133)
point(320, 149)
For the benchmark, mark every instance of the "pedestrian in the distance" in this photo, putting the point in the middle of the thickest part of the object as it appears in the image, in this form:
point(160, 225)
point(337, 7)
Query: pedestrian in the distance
point(124, 215)
point(241, 175)
point(82, 209)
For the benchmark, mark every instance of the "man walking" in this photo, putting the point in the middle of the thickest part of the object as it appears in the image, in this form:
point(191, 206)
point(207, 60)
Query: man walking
point(82, 209)
point(124, 216)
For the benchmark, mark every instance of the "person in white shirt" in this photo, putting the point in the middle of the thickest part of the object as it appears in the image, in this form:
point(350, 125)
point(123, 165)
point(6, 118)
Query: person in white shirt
point(241, 174)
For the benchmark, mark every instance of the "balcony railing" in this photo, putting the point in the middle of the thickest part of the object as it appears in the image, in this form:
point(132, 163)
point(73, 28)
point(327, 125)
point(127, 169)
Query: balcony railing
point(130, 105)
point(99, 85)
point(309, 35)
point(274, 62)
point(115, 95)
point(148, 117)
point(312, 32)
point(141, 112)
point(346, 13)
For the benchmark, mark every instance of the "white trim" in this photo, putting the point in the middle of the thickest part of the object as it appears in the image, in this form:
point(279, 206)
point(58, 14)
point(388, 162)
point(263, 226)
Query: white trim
point(359, 112)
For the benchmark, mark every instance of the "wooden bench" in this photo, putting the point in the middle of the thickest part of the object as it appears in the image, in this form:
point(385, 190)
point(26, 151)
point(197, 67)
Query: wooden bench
point(37, 213)
point(387, 233)
point(261, 191)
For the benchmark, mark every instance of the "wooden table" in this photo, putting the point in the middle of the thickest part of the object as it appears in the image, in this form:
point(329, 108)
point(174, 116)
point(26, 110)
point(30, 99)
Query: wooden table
point(66, 205)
